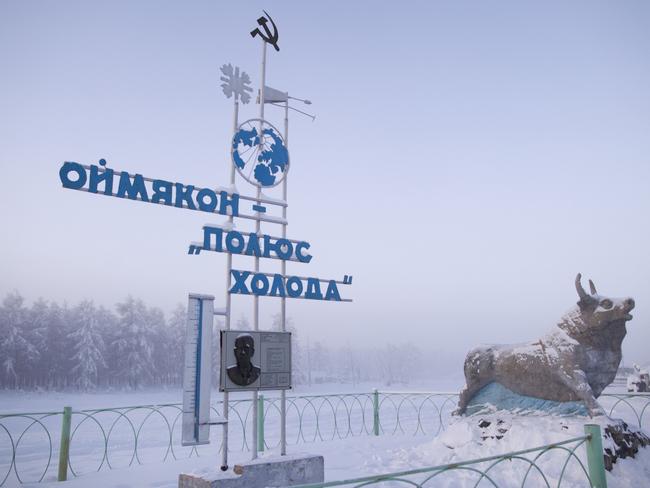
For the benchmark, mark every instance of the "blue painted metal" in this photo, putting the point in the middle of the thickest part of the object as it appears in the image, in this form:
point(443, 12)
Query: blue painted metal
point(136, 187)
point(495, 395)
point(199, 343)
point(267, 163)
point(294, 288)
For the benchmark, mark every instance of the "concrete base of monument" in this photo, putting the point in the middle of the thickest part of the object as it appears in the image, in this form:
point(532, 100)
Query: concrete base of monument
point(295, 469)
point(495, 396)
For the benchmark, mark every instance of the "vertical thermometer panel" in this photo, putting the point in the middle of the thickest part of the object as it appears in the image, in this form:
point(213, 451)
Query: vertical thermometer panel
point(197, 374)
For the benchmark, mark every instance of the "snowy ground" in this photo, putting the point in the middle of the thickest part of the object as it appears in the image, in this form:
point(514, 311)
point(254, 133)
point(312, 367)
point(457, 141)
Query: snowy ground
point(357, 454)
point(309, 421)
point(363, 456)
point(44, 401)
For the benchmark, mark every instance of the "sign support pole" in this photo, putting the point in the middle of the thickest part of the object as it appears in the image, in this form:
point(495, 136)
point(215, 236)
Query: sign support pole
point(283, 302)
point(256, 299)
point(226, 406)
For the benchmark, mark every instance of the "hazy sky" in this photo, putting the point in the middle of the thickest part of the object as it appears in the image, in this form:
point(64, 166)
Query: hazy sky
point(467, 160)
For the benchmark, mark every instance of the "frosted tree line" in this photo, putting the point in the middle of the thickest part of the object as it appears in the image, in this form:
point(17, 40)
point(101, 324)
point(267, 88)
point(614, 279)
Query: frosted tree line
point(55, 346)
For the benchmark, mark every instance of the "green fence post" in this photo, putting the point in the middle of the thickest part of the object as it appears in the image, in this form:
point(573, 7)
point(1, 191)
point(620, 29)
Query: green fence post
point(375, 412)
point(260, 423)
point(595, 456)
point(64, 451)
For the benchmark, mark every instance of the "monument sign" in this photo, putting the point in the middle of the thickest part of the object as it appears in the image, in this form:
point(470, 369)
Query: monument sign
point(251, 360)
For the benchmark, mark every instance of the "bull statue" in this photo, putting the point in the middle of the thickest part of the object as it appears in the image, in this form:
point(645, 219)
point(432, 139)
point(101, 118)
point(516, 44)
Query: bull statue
point(574, 362)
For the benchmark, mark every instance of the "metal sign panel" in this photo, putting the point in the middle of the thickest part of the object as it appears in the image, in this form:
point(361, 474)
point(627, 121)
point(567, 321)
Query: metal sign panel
point(197, 376)
point(255, 360)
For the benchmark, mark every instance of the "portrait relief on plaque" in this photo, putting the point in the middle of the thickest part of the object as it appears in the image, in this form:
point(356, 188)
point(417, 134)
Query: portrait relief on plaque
point(255, 360)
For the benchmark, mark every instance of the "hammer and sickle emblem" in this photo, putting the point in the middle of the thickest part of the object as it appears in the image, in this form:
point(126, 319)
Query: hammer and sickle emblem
point(267, 36)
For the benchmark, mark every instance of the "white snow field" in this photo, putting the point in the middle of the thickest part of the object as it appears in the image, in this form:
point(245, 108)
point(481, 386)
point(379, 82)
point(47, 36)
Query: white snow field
point(416, 432)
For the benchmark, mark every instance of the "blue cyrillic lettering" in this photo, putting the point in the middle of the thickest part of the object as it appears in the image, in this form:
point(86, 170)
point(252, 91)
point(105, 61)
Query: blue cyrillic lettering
point(240, 282)
point(260, 284)
point(132, 188)
point(313, 289)
point(291, 291)
point(212, 231)
point(282, 248)
point(184, 194)
point(229, 206)
point(277, 287)
point(72, 167)
point(96, 178)
point(332, 292)
point(162, 192)
point(230, 246)
point(212, 203)
point(303, 258)
point(253, 247)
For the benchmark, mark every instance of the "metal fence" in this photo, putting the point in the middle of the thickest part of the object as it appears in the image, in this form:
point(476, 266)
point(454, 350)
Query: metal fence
point(36, 446)
point(632, 407)
point(485, 471)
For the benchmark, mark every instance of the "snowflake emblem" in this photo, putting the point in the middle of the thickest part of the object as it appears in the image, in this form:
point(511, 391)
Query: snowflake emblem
point(235, 82)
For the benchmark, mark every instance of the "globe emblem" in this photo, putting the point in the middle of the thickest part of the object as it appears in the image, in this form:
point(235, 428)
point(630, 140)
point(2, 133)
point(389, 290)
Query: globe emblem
point(262, 161)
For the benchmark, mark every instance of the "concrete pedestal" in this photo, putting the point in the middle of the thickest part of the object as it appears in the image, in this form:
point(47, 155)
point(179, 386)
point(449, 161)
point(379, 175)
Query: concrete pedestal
point(291, 470)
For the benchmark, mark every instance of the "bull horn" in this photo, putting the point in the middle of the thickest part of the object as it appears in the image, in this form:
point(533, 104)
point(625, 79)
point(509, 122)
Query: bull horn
point(592, 287)
point(581, 292)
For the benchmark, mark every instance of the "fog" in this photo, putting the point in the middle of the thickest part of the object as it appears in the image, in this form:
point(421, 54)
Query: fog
point(467, 160)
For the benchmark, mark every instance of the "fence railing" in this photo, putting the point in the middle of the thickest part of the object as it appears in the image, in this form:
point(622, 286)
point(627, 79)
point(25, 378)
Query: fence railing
point(31, 446)
point(630, 406)
point(485, 471)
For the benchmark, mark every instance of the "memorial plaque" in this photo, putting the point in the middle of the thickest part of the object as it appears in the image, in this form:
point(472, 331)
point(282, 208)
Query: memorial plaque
point(254, 360)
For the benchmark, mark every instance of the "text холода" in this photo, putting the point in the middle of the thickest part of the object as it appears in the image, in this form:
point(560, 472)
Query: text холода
point(276, 285)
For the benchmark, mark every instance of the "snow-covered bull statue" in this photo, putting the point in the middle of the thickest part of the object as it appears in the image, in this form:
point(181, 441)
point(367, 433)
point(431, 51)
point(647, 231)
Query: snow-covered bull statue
point(574, 362)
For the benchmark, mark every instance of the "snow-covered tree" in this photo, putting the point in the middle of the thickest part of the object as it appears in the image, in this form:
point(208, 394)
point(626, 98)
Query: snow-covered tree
point(320, 363)
point(170, 347)
point(134, 344)
point(54, 346)
point(38, 320)
point(400, 363)
point(16, 350)
point(88, 346)
point(242, 323)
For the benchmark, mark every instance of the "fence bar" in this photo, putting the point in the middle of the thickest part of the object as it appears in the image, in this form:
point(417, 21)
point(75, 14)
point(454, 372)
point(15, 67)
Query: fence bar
point(398, 475)
point(260, 423)
point(375, 411)
point(595, 456)
point(64, 451)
